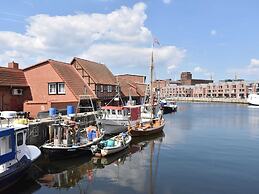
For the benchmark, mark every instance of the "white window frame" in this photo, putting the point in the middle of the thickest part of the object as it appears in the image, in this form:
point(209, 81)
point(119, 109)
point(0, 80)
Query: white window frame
point(59, 86)
point(109, 88)
point(54, 88)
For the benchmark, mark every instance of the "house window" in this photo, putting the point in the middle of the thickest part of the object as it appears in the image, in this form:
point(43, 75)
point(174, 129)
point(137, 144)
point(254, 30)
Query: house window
point(101, 88)
point(109, 88)
point(57, 88)
point(52, 88)
point(116, 89)
point(61, 88)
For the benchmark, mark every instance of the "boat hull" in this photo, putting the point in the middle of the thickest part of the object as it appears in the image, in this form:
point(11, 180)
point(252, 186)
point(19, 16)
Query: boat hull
point(105, 152)
point(114, 127)
point(169, 109)
point(150, 131)
point(63, 153)
point(120, 145)
point(253, 99)
point(14, 173)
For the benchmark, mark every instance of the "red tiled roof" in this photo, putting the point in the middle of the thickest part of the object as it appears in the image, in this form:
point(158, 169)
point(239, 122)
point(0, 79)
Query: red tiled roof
point(12, 77)
point(72, 78)
point(130, 88)
point(98, 72)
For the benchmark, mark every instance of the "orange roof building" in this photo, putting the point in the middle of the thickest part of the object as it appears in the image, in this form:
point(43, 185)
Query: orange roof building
point(54, 84)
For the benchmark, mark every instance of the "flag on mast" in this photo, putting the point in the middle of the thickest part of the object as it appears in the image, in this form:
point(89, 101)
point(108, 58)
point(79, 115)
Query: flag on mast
point(155, 41)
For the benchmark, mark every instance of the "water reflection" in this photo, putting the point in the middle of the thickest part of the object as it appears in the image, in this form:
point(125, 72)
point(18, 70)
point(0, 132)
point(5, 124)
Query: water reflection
point(124, 169)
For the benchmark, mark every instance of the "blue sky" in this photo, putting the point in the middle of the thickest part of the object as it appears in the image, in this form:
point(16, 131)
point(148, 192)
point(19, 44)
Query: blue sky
point(209, 38)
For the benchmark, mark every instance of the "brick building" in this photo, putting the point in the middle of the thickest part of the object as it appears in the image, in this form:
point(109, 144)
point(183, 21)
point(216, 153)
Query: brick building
point(14, 89)
point(98, 77)
point(54, 84)
point(186, 79)
point(222, 89)
point(132, 86)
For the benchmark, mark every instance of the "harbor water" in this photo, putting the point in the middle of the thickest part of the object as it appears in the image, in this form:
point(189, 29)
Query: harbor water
point(206, 148)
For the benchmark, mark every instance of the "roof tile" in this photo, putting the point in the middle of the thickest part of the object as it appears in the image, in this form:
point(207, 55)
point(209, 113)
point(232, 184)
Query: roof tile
point(12, 77)
point(99, 72)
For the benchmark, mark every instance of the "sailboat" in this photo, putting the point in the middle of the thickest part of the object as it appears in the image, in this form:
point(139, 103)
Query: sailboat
point(152, 120)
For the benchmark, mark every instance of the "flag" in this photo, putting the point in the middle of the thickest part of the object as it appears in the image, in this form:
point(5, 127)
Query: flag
point(155, 41)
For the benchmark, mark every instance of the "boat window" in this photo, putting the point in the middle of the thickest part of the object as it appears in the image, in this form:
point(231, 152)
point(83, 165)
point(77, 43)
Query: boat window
point(6, 146)
point(119, 112)
point(19, 139)
point(126, 111)
point(113, 112)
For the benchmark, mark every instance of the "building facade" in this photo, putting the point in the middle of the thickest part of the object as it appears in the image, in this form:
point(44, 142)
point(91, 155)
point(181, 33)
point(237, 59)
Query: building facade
point(14, 89)
point(239, 89)
point(98, 77)
point(54, 84)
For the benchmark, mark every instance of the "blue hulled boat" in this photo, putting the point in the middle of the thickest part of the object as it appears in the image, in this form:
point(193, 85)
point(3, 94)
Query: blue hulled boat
point(15, 156)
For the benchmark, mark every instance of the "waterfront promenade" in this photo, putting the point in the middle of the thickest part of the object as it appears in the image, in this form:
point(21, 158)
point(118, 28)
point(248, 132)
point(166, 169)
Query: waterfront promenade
point(223, 100)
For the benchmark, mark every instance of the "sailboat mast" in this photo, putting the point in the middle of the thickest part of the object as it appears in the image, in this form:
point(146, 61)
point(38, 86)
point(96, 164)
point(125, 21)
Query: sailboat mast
point(151, 77)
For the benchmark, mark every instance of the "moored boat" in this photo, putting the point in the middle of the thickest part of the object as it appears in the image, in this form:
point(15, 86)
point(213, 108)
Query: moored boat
point(112, 145)
point(168, 106)
point(15, 156)
point(116, 119)
point(70, 141)
point(253, 99)
point(145, 129)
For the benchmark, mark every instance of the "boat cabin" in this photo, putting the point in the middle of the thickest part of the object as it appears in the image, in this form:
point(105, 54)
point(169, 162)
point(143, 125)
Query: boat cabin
point(121, 112)
point(12, 142)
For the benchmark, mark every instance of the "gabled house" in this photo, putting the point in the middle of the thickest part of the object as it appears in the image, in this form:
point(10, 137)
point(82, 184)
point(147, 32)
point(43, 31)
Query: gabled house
point(132, 86)
point(98, 77)
point(54, 84)
point(14, 89)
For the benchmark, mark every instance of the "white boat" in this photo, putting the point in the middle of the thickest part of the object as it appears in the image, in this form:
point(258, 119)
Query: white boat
point(15, 156)
point(253, 99)
point(112, 145)
point(168, 106)
point(116, 119)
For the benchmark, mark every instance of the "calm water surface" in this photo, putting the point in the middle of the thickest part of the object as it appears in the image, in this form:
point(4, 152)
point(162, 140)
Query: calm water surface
point(205, 148)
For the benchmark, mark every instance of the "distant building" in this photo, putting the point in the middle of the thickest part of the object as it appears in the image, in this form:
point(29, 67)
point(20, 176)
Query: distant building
point(173, 90)
point(14, 89)
point(186, 79)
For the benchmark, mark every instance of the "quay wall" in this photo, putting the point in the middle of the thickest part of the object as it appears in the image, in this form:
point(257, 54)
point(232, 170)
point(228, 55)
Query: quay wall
point(195, 99)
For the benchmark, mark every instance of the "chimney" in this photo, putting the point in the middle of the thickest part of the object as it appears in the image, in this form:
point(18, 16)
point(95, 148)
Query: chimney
point(13, 65)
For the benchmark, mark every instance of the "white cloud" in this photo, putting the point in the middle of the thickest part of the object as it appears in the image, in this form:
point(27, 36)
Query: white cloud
point(118, 39)
point(167, 1)
point(250, 71)
point(213, 32)
point(203, 72)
